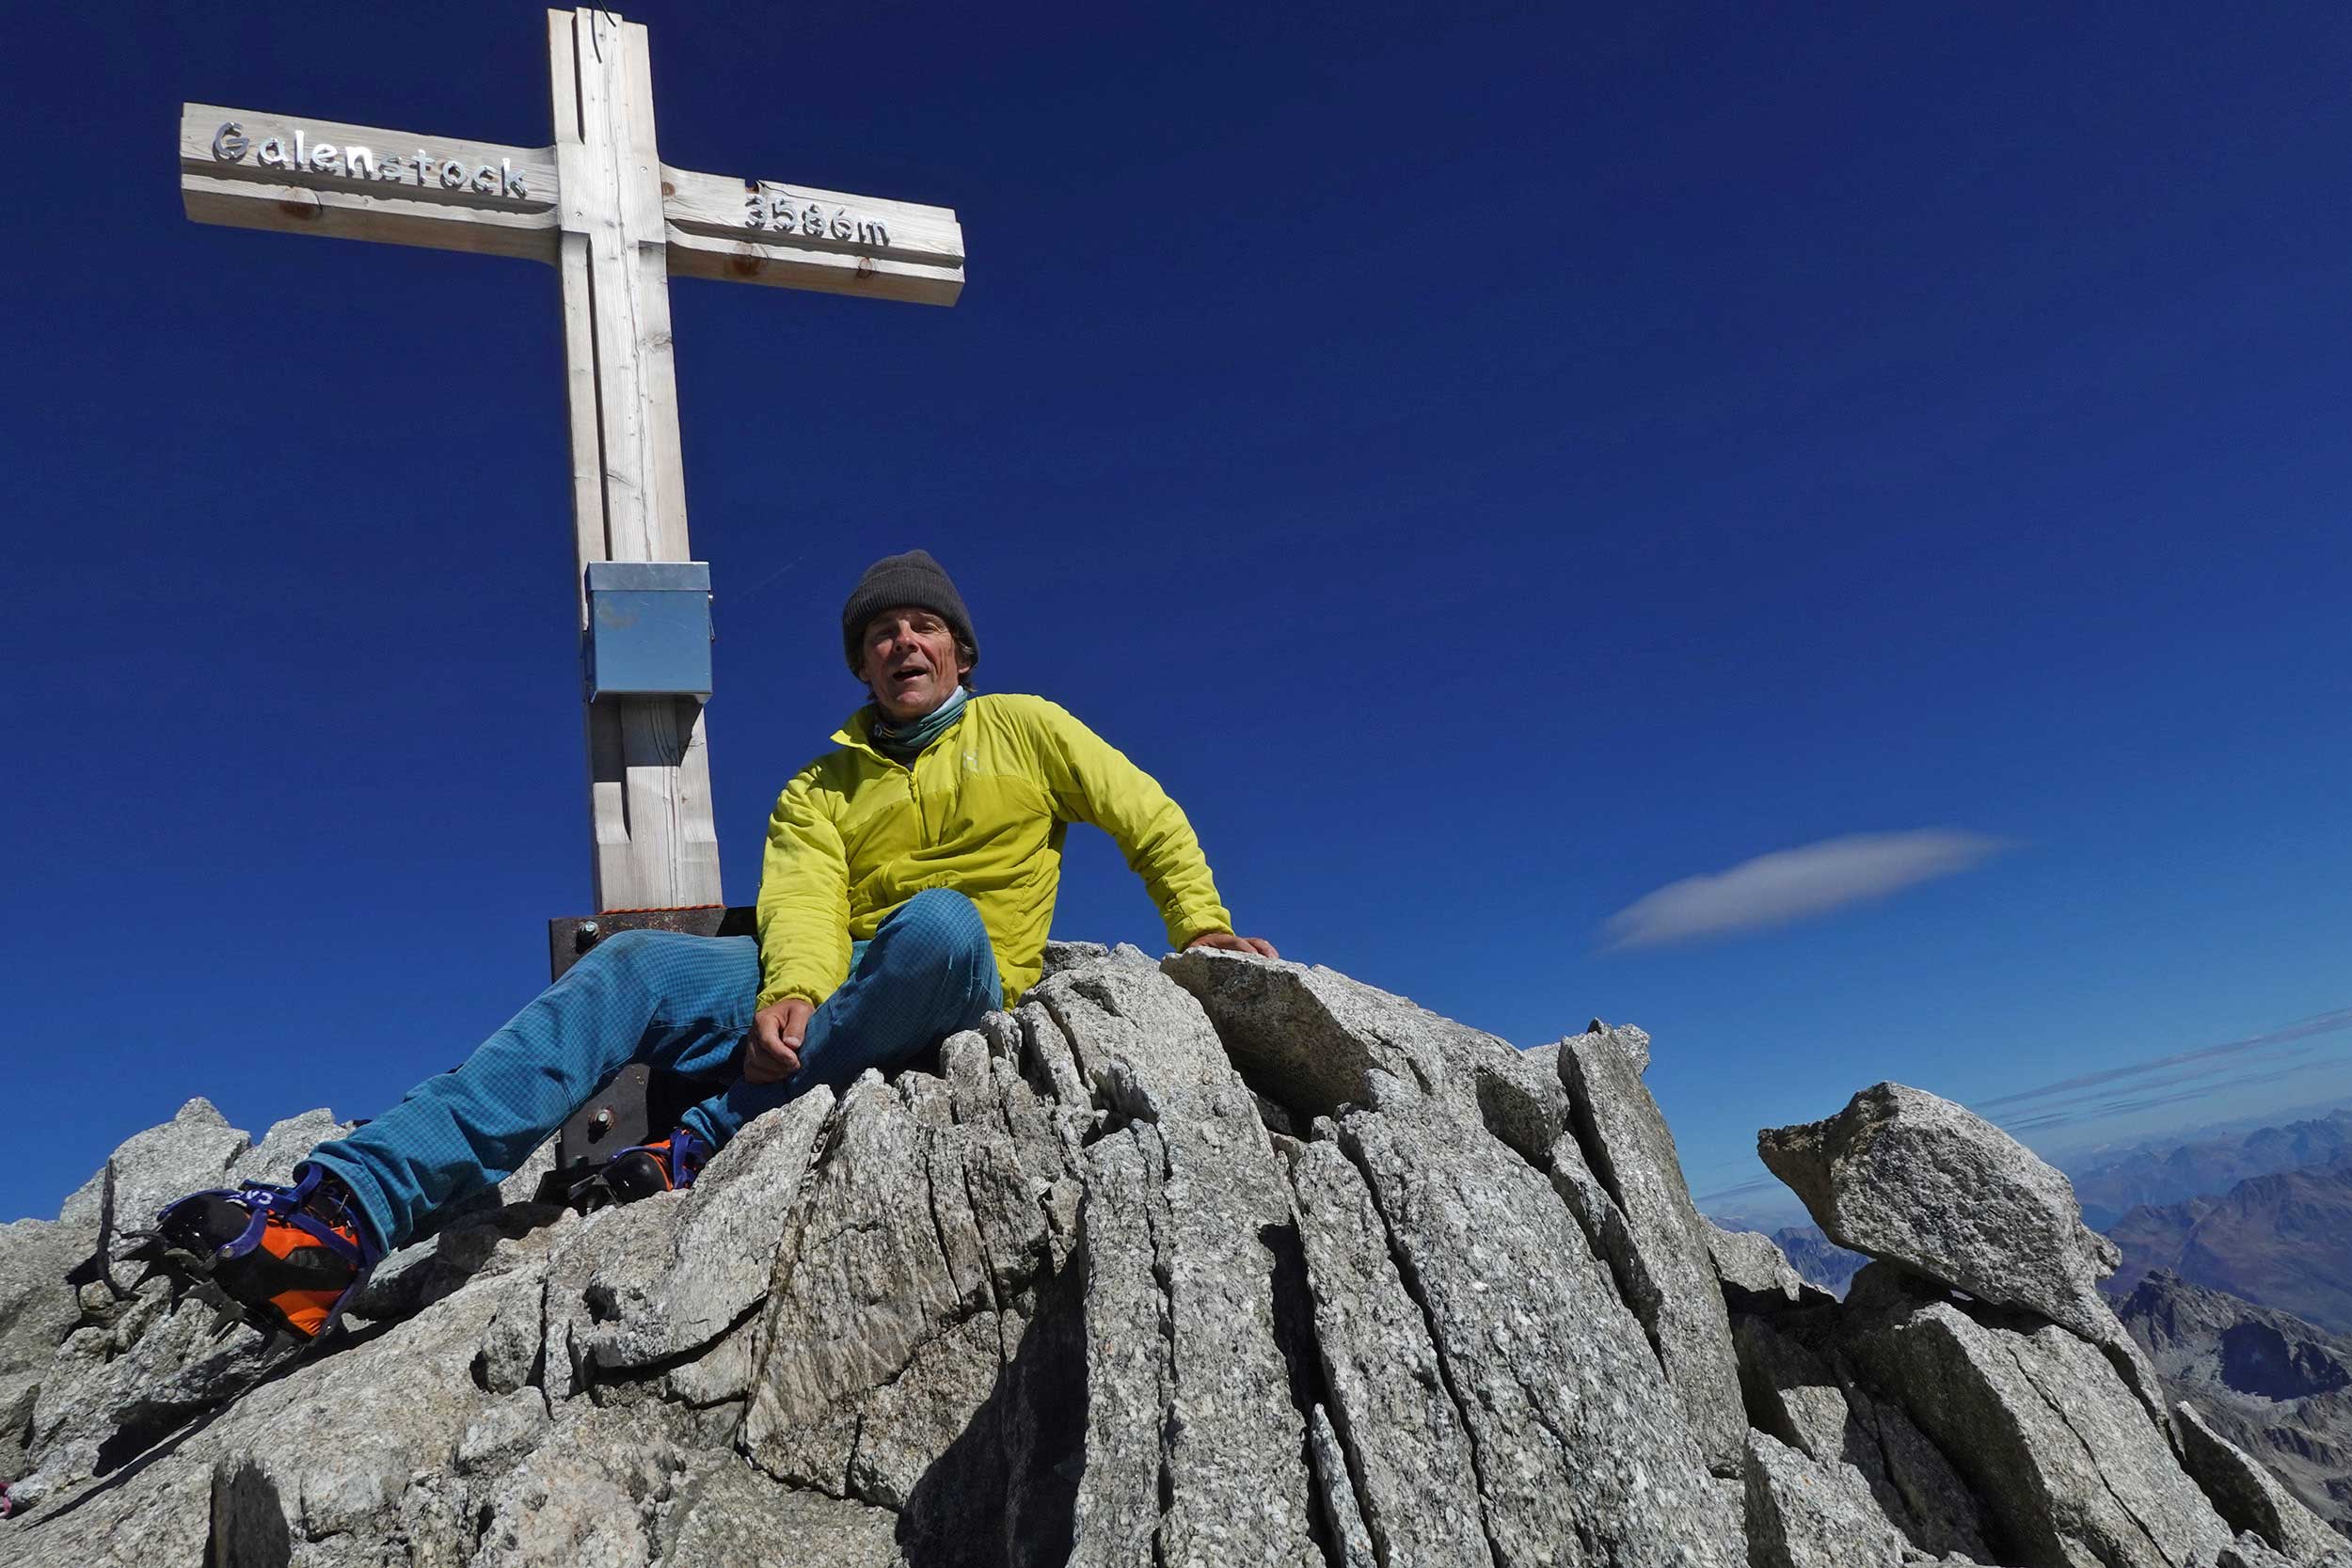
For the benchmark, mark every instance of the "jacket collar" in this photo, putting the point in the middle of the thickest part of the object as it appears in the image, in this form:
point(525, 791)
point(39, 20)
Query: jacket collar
point(857, 733)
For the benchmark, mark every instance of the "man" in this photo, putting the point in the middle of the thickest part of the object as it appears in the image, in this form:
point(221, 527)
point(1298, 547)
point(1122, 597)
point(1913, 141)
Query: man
point(907, 889)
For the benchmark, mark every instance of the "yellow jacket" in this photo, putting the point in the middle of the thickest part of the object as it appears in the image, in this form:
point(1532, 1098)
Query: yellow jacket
point(983, 811)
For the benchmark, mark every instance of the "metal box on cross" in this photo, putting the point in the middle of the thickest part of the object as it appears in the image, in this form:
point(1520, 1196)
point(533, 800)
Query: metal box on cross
point(648, 629)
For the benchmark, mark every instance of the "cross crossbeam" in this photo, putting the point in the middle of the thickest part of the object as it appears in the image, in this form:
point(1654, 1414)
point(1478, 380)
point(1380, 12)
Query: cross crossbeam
point(615, 221)
point(303, 176)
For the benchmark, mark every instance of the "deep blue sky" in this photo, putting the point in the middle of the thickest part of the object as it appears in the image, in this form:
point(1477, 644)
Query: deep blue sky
point(1491, 463)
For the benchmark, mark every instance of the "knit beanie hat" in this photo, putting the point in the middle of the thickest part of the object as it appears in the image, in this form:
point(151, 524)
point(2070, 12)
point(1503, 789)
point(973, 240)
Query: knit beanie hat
point(912, 578)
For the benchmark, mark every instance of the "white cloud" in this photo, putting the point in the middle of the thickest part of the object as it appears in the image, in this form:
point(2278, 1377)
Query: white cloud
point(1797, 884)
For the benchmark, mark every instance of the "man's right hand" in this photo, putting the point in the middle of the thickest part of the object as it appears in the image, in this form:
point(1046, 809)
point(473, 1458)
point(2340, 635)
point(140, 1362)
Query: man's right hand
point(777, 1030)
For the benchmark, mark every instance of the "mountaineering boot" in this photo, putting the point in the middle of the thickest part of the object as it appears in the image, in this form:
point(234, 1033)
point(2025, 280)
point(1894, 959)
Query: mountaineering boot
point(641, 1170)
point(283, 1258)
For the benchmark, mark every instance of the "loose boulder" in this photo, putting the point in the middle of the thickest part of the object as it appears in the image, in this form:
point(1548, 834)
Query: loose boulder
point(1915, 1180)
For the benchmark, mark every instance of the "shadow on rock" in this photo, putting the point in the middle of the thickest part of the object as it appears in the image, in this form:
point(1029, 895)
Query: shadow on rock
point(1002, 1495)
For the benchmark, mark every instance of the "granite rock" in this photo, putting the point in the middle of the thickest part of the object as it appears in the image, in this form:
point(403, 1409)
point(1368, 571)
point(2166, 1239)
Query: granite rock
point(1803, 1513)
point(326, 1450)
point(1916, 1181)
point(1660, 1257)
point(1219, 1219)
point(38, 1307)
point(2251, 1551)
point(716, 1248)
point(1752, 1264)
point(1309, 1036)
point(729, 1515)
point(1333, 1489)
point(1574, 1433)
point(1390, 1408)
point(1225, 1260)
point(192, 1151)
point(1129, 1380)
point(2248, 1497)
point(1801, 1390)
point(286, 1144)
point(2278, 1387)
point(2068, 1468)
point(586, 1495)
point(862, 1284)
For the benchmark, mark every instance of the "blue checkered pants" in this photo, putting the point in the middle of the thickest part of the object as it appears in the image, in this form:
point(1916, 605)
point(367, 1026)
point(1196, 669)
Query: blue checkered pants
point(679, 1002)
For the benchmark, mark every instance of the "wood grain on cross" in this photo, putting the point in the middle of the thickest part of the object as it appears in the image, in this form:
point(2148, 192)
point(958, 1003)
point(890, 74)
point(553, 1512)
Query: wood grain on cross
point(616, 222)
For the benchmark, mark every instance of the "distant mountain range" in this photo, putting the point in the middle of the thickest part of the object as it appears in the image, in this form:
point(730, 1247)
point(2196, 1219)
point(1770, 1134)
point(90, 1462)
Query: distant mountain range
point(2283, 1239)
point(2161, 1174)
point(1818, 1259)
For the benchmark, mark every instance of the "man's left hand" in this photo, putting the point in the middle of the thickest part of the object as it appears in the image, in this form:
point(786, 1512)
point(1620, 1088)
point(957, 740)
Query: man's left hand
point(1232, 943)
point(777, 1030)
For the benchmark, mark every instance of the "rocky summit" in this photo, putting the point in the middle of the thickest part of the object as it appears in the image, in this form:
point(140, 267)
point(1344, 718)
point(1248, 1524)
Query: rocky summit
point(1209, 1261)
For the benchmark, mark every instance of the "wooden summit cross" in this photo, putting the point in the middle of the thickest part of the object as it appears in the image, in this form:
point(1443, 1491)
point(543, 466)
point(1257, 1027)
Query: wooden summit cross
point(616, 222)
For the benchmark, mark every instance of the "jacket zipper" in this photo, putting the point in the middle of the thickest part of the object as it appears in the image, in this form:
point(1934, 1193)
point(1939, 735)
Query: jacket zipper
point(914, 797)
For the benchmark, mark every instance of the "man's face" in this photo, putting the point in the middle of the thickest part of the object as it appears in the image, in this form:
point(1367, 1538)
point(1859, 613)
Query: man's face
point(910, 662)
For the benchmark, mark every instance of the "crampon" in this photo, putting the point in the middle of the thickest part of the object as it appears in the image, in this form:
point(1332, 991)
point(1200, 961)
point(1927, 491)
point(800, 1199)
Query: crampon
point(641, 1170)
point(285, 1259)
